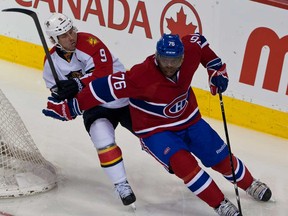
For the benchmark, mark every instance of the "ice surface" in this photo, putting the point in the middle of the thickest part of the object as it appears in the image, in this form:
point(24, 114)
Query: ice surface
point(83, 188)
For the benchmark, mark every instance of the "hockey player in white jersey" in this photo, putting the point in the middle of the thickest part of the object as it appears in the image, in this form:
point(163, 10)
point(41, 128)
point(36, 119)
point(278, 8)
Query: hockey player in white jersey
point(84, 57)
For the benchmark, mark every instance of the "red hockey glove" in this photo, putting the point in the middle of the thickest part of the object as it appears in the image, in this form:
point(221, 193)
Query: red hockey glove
point(62, 110)
point(218, 80)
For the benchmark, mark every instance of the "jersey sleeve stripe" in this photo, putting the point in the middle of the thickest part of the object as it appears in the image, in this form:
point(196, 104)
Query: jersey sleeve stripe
point(102, 87)
point(111, 89)
point(214, 64)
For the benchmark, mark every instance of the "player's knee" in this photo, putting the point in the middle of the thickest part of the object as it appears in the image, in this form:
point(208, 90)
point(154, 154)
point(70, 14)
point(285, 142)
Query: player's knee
point(102, 133)
point(110, 155)
point(184, 165)
point(224, 166)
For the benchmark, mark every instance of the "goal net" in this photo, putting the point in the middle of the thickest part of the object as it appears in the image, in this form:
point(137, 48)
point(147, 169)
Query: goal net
point(23, 170)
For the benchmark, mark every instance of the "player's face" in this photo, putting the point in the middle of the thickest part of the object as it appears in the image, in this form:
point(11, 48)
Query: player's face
point(169, 65)
point(68, 40)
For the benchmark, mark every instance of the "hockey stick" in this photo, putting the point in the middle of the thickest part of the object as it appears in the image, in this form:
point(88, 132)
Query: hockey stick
point(40, 32)
point(230, 154)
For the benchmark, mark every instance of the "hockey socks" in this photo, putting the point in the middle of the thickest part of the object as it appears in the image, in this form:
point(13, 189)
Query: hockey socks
point(110, 156)
point(243, 177)
point(112, 163)
point(185, 166)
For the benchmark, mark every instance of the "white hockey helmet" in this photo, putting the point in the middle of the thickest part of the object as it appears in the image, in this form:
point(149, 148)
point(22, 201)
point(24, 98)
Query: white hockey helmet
point(56, 25)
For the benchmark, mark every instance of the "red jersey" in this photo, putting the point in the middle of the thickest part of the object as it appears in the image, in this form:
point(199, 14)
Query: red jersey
point(157, 103)
point(90, 60)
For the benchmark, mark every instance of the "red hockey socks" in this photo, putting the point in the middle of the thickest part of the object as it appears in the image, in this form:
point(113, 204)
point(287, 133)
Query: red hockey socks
point(185, 166)
point(243, 177)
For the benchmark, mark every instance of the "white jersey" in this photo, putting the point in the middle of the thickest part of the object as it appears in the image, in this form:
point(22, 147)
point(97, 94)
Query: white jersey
point(89, 61)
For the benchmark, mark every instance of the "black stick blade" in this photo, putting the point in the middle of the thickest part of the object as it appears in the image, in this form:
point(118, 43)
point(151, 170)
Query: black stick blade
point(42, 38)
point(20, 10)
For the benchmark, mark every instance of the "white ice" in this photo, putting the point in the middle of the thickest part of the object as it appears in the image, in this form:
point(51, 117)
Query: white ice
point(83, 188)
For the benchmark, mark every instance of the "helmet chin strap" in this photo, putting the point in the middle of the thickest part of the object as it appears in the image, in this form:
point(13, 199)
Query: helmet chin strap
point(62, 49)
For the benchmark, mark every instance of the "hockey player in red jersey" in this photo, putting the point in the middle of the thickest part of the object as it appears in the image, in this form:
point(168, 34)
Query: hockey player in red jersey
point(166, 117)
point(82, 57)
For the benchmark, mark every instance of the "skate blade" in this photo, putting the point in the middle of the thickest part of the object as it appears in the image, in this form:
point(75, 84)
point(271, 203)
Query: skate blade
point(133, 206)
point(272, 200)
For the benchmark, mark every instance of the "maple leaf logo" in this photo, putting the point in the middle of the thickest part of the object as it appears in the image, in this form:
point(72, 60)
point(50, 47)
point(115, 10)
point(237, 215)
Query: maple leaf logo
point(179, 26)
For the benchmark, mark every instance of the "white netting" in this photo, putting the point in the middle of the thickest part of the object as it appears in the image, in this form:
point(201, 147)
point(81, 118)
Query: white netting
point(23, 170)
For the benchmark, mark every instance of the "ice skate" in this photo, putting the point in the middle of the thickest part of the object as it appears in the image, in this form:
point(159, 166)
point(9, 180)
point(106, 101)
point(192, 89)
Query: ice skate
point(259, 191)
point(227, 208)
point(126, 194)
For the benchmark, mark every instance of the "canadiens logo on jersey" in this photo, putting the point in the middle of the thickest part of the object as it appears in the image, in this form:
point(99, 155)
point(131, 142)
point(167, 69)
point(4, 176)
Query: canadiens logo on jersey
point(172, 110)
point(92, 41)
point(177, 106)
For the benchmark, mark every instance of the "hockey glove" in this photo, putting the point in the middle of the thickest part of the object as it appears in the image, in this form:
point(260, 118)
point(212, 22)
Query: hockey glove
point(66, 89)
point(62, 110)
point(218, 80)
